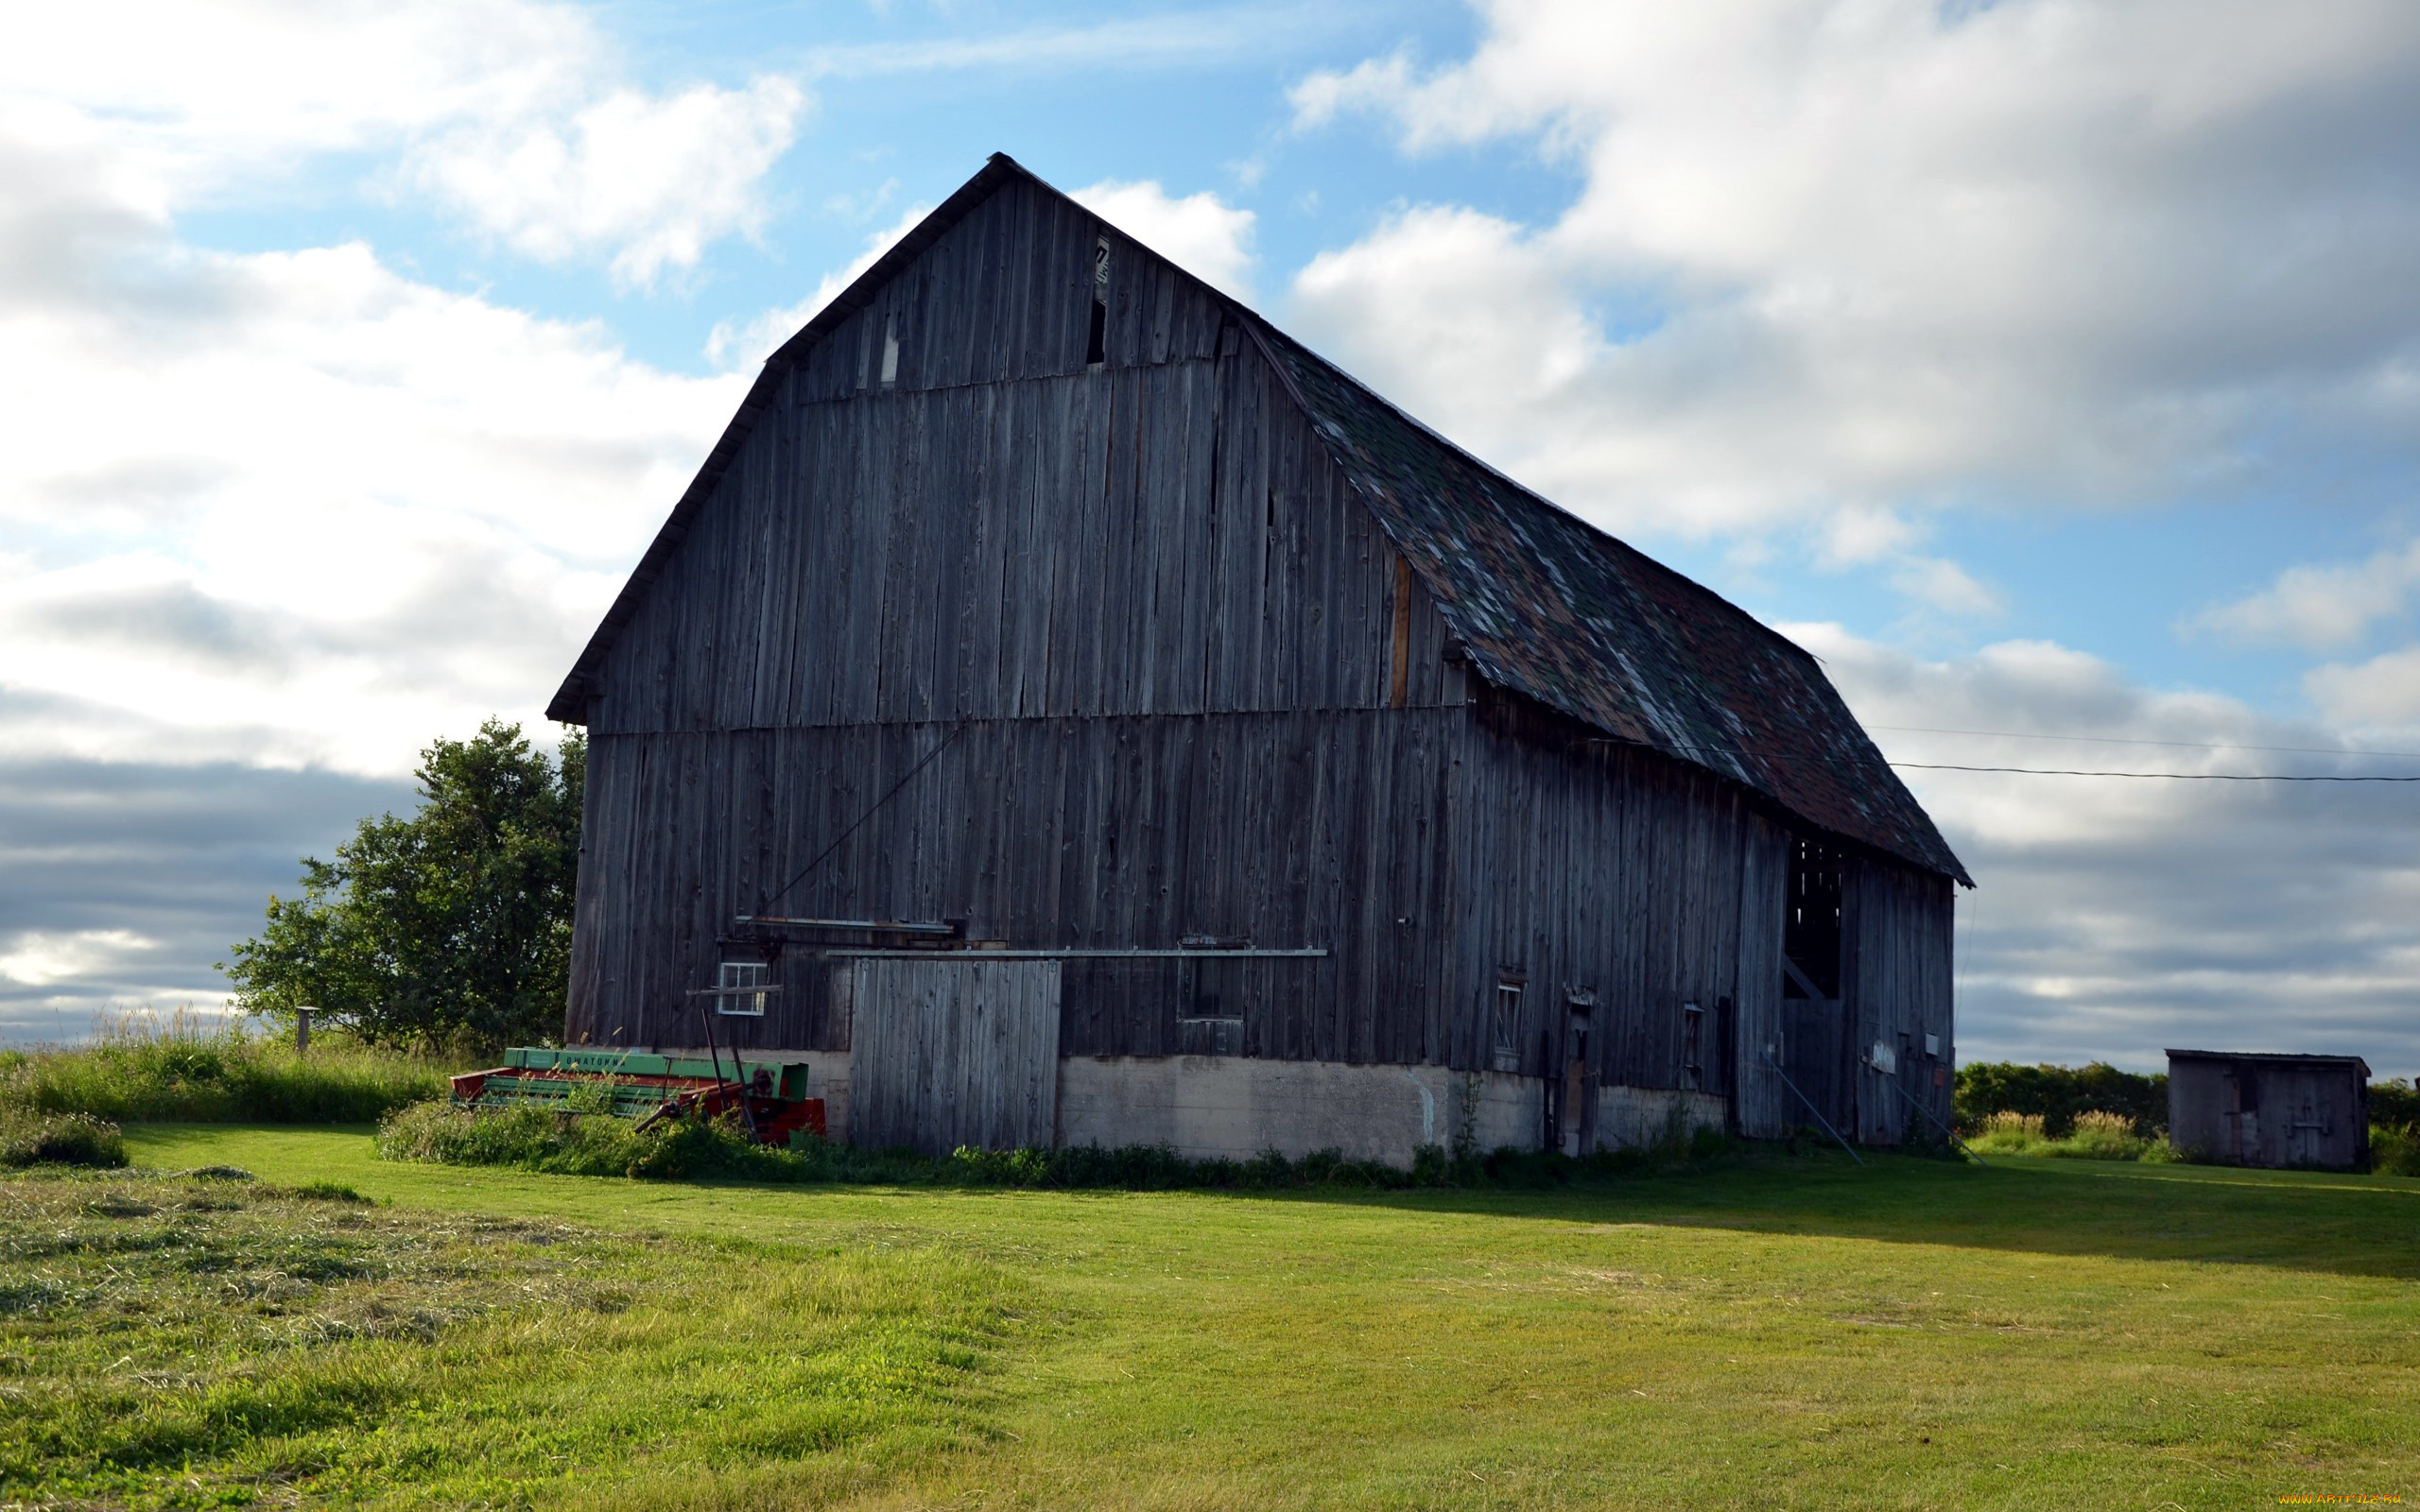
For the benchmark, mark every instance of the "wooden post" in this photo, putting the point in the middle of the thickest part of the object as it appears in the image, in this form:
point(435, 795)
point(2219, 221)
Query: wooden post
point(303, 1030)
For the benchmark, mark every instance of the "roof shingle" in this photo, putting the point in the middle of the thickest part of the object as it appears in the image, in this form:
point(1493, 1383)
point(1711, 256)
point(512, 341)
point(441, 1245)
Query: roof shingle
point(1552, 608)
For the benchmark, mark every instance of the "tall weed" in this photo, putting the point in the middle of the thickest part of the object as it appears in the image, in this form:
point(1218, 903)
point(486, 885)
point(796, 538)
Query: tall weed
point(198, 1067)
point(2394, 1149)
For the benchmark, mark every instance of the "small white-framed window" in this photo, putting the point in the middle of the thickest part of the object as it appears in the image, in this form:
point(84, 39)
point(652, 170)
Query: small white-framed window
point(890, 349)
point(1692, 1047)
point(733, 982)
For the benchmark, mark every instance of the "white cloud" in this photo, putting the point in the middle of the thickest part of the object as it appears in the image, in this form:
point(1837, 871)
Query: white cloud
point(1939, 584)
point(357, 511)
point(1862, 536)
point(1199, 233)
point(656, 178)
point(2382, 692)
point(1891, 253)
point(41, 957)
point(1375, 84)
point(2323, 603)
point(1175, 37)
point(1857, 535)
point(2114, 916)
point(1464, 319)
point(515, 115)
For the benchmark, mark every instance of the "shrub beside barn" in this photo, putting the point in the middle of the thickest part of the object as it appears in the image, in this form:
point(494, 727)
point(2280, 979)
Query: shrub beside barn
point(1064, 709)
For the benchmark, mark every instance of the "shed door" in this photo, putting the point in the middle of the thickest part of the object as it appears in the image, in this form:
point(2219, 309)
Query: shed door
point(954, 1051)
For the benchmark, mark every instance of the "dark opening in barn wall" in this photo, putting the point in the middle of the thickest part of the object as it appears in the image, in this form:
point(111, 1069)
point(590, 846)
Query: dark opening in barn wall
point(1811, 931)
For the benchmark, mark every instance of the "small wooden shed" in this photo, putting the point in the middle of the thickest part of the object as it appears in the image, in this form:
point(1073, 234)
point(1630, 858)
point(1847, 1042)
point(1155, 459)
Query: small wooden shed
point(2312, 1112)
point(1065, 709)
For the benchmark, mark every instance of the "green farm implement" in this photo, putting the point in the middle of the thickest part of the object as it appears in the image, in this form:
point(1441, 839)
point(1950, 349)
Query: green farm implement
point(769, 1096)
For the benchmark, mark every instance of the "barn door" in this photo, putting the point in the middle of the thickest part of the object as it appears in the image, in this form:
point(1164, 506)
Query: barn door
point(944, 1052)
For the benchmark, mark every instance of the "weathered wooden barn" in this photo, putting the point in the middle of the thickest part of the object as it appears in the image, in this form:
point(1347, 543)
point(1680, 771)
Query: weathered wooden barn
point(1066, 710)
point(2265, 1109)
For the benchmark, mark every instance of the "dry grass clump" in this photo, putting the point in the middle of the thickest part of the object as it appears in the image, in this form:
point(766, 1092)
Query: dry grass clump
point(2096, 1136)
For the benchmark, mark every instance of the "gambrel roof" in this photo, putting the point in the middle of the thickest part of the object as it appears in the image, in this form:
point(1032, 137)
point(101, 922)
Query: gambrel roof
point(1545, 604)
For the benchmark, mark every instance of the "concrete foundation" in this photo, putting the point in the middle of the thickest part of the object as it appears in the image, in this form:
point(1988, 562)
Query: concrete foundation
point(1237, 1107)
point(1628, 1116)
point(1205, 1106)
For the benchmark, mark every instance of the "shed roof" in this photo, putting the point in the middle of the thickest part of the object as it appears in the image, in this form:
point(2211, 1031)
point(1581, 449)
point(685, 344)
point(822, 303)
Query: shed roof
point(2266, 1058)
point(1545, 604)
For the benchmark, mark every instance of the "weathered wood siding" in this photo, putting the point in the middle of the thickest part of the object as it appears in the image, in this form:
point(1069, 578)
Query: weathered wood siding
point(1092, 568)
point(1896, 977)
point(1598, 869)
point(1646, 885)
point(1763, 1106)
point(2248, 1111)
point(1316, 828)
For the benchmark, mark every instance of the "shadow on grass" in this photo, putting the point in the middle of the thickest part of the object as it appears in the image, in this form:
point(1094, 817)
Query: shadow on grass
point(2309, 1221)
point(2313, 1221)
point(2305, 1221)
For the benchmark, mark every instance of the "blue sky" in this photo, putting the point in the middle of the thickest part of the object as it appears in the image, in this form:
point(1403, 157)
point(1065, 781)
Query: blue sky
point(2052, 370)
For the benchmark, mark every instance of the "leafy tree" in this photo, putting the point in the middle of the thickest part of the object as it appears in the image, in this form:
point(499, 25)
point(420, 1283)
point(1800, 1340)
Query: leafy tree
point(450, 925)
point(2394, 1104)
point(2058, 1094)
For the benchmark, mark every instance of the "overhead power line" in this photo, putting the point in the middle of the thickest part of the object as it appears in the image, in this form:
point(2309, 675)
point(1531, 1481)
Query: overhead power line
point(2170, 777)
point(2121, 740)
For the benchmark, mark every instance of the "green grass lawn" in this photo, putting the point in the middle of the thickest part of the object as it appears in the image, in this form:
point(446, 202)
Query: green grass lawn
point(1782, 1331)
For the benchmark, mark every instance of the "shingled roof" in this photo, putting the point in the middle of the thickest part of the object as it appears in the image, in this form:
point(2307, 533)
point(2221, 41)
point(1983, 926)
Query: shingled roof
point(1553, 607)
point(1546, 605)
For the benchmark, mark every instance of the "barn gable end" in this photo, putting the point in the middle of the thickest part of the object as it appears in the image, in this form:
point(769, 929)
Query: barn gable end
point(999, 530)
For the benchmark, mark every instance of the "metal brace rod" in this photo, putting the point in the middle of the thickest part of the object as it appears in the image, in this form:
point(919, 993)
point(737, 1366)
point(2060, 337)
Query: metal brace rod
point(1811, 1107)
point(1958, 1144)
point(878, 925)
point(872, 953)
